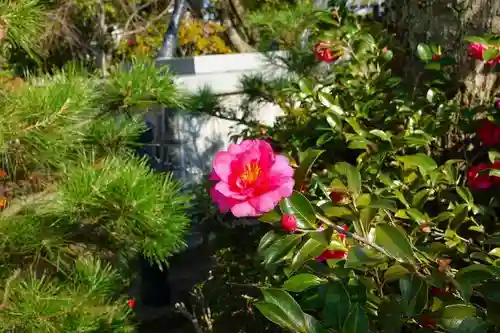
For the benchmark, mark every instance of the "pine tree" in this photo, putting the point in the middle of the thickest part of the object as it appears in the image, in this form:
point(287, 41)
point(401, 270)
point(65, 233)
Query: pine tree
point(77, 205)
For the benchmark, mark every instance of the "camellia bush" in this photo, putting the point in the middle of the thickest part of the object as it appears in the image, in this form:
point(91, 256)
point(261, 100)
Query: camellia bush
point(384, 196)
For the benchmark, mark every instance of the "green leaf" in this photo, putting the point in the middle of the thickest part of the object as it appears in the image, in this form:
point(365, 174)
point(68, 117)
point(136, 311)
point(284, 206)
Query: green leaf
point(267, 240)
point(391, 315)
point(311, 249)
point(394, 241)
point(494, 156)
point(453, 315)
point(301, 282)
point(330, 210)
point(366, 216)
point(475, 39)
point(274, 313)
point(270, 217)
point(357, 321)
point(460, 214)
point(288, 305)
point(474, 274)
point(359, 257)
point(306, 86)
point(465, 194)
point(472, 325)
point(337, 305)
point(298, 205)
point(334, 122)
point(312, 325)
point(424, 163)
point(424, 52)
point(329, 102)
point(390, 205)
point(381, 134)
point(414, 292)
point(490, 53)
point(353, 176)
point(279, 249)
point(395, 272)
point(307, 160)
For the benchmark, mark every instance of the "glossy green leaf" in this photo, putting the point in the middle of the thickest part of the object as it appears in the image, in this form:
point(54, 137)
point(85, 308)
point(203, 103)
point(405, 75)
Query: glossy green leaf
point(306, 86)
point(288, 305)
point(453, 315)
point(393, 239)
point(301, 282)
point(309, 250)
point(395, 272)
point(359, 257)
point(424, 163)
point(331, 210)
point(274, 313)
point(312, 325)
point(357, 321)
point(307, 160)
point(424, 52)
point(337, 305)
point(465, 194)
point(490, 53)
point(353, 176)
point(472, 325)
point(414, 294)
point(267, 240)
point(391, 315)
point(270, 217)
point(298, 205)
point(280, 248)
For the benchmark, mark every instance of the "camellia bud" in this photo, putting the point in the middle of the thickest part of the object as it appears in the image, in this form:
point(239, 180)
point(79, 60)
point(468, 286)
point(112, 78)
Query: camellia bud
point(324, 172)
point(263, 131)
point(425, 228)
point(289, 223)
point(131, 303)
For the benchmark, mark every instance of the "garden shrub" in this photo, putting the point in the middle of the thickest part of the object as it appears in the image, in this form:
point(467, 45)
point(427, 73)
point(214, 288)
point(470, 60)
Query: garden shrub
point(386, 210)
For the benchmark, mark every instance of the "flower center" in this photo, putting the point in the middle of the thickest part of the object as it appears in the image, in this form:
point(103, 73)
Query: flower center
point(251, 173)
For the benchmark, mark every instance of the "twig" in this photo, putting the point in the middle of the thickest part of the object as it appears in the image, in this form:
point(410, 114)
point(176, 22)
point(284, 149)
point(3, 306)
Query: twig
point(181, 308)
point(357, 237)
point(147, 25)
point(136, 12)
point(7, 287)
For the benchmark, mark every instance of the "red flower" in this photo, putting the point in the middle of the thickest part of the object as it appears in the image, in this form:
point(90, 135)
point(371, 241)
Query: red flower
point(428, 322)
point(324, 53)
point(439, 291)
point(436, 57)
point(489, 133)
point(478, 177)
point(496, 166)
point(331, 254)
point(131, 303)
point(289, 223)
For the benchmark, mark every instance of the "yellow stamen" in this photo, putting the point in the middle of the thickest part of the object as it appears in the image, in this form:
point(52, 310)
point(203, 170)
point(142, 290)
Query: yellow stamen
point(251, 173)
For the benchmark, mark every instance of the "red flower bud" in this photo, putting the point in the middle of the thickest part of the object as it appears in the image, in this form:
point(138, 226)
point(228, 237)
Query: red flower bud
point(131, 303)
point(331, 254)
point(346, 227)
point(289, 223)
point(436, 57)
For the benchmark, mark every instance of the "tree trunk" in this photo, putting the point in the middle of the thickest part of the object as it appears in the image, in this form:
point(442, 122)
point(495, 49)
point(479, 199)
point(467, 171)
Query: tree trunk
point(238, 41)
point(446, 23)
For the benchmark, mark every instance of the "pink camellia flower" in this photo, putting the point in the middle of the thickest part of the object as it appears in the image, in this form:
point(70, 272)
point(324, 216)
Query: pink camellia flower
point(478, 177)
point(476, 51)
point(331, 254)
point(250, 178)
point(289, 223)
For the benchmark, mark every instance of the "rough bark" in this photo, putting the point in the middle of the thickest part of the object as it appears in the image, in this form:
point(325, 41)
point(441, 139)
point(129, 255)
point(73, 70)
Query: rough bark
point(446, 23)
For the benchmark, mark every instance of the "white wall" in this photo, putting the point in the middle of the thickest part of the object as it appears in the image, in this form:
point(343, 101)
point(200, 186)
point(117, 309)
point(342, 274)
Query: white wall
point(202, 136)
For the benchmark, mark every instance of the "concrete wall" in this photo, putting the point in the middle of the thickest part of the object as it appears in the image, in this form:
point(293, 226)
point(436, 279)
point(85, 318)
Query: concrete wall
point(196, 137)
